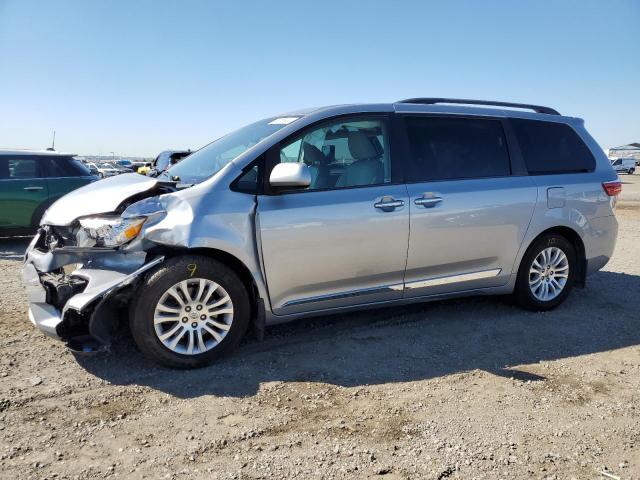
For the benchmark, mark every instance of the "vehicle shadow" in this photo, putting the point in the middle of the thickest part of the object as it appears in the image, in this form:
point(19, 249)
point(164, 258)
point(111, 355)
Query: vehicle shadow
point(402, 344)
point(13, 248)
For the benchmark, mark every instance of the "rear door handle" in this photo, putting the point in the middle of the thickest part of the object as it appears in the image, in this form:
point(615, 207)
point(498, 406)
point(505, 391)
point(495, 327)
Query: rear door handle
point(32, 189)
point(388, 204)
point(428, 202)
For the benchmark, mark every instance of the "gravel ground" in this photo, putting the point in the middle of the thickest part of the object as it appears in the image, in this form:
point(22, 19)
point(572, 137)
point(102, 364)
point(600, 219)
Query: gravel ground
point(471, 388)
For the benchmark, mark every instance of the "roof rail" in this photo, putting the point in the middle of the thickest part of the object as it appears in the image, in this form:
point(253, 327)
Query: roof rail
point(433, 101)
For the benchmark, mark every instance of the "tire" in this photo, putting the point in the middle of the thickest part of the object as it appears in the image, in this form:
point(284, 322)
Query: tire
point(631, 171)
point(154, 298)
point(524, 292)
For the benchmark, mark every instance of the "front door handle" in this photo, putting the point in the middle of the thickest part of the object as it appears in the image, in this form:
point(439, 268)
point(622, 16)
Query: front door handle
point(428, 202)
point(388, 204)
point(32, 189)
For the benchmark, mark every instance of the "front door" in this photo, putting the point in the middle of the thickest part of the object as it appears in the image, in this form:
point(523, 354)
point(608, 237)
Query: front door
point(469, 214)
point(22, 190)
point(342, 241)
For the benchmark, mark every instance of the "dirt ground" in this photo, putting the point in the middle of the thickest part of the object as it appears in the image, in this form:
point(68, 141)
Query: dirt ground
point(471, 388)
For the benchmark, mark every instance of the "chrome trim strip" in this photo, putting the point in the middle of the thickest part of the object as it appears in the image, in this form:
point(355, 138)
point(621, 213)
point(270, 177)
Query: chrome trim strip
point(354, 293)
point(464, 277)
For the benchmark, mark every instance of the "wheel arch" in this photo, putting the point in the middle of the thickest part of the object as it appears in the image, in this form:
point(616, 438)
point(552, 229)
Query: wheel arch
point(231, 261)
point(576, 240)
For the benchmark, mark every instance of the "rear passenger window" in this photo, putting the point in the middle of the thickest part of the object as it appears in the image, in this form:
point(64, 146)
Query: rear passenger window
point(19, 167)
point(550, 148)
point(454, 148)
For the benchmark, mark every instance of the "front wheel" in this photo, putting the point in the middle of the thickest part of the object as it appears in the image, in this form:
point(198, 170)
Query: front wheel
point(547, 273)
point(631, 171)
point(190, 311)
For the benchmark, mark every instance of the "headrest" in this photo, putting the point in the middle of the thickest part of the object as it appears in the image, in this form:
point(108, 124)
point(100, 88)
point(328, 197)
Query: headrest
point(361, 147)
point(312, 154)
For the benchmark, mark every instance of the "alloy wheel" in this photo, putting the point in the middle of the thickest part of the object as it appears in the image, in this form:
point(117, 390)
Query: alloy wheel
point(548, 274)
point(193, 316)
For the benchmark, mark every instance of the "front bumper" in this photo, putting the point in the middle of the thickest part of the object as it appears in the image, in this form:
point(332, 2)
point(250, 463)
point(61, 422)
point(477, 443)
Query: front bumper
point(44, 316)
point(102, 273)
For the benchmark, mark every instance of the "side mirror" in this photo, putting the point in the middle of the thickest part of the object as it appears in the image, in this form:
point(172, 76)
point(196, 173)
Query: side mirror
point(290, 175)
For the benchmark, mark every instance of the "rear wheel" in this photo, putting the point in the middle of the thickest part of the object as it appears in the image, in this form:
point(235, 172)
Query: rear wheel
point(632, 171)
point(547, 273)
point(190, 311)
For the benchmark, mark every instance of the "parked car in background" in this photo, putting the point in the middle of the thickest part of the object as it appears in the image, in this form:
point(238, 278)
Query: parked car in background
point(30, 181)
point(125, 164)
point(328, 210)
point(137, 165)
point(93, 168)
point(166, 159)
point(108, 169)
point(145, 169)
point(121, 169)
point(624, 165)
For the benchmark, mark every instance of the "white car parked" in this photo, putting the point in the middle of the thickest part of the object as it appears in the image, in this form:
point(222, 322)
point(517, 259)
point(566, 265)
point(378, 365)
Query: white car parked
point(104, 169)
point(625, 165)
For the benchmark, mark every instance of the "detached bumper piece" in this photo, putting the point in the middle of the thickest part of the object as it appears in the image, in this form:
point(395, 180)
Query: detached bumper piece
point(77, 307)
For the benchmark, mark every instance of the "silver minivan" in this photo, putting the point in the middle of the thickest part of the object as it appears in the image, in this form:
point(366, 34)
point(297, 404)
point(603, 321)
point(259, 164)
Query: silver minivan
point(327, 210)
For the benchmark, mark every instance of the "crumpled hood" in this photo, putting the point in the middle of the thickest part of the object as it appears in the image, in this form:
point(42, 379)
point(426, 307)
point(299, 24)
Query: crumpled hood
point(102, 196)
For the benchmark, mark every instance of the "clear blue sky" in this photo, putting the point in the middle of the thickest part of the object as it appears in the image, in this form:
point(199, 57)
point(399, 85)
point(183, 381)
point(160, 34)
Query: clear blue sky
point(137, 77)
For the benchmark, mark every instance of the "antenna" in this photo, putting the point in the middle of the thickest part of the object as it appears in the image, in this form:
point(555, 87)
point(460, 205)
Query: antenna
point(52, 148)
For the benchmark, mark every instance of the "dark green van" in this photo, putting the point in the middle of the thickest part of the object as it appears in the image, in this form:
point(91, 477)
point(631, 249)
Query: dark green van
point(30, 181)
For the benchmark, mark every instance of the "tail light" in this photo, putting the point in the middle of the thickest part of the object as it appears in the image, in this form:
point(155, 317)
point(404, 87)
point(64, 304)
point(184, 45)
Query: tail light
point(612, 189)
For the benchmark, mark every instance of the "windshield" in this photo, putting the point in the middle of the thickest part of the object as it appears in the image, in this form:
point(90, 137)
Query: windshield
point(209, 160)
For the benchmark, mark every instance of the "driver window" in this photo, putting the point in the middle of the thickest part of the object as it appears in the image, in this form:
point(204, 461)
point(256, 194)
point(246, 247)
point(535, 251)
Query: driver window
point(343, 154)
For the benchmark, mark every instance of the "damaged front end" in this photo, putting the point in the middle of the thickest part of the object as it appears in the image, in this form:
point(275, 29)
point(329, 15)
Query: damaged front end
point(80, 276)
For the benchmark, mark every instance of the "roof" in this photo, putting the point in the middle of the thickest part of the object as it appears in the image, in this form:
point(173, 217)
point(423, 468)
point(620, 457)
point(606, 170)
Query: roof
point(629, 146)
point(442, 105)
point(50, 153)
point(492, 103)
point(479, 110)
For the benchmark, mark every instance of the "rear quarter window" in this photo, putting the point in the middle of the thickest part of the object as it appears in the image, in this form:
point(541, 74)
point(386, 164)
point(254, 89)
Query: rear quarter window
point(66, 167)
point(552, 148)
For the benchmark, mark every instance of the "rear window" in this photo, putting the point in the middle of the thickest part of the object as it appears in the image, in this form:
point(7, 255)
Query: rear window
point(551, 148)
point(456, 148)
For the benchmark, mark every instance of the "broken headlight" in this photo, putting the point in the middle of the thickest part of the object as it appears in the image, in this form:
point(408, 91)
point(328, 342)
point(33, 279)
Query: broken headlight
point(107, 231)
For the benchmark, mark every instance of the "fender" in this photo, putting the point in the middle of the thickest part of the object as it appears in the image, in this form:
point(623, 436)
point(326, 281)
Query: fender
point(228, 226)
point(560, 205)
